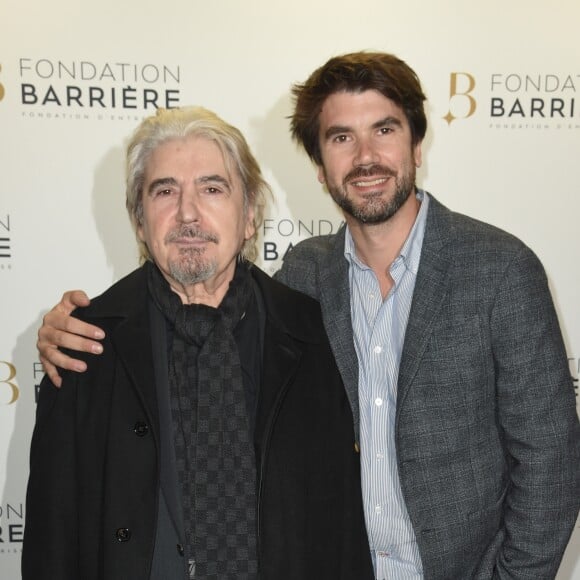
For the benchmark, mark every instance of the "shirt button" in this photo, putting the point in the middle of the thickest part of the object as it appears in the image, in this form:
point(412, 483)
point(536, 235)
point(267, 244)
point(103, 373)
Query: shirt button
point(380, 456)
point(378, 349)
point(378, 401)
point(378, 509)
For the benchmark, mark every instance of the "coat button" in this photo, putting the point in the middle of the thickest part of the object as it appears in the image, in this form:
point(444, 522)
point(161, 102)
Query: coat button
point(141, 429)
point(123, 534)
point(180, 550)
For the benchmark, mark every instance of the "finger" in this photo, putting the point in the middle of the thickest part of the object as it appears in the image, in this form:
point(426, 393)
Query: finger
point(57, 358)
point(51, 372)
point(49, 339)
point(55, 321)
point(71, 300)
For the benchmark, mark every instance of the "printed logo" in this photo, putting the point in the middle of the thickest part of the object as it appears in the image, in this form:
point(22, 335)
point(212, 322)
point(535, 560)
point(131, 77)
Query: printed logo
point(83, 89)
point(280, 236)
point(1, 86)
point(11, 528)
point(461, 102)
point(516, 100)
point(8, 387)
point(540, 97)
point(38, 374)
point(5, 253)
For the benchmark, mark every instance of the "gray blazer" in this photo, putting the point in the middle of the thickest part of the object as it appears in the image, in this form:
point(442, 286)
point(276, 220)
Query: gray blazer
point(487, 435)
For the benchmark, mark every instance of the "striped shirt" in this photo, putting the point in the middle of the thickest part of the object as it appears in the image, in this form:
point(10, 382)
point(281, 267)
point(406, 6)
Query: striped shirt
point(379, 331)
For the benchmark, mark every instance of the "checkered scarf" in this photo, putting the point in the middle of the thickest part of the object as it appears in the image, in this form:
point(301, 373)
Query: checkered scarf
point(216, 466)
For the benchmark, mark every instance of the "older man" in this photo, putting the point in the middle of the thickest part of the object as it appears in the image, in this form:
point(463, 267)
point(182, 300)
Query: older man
point(213, 439)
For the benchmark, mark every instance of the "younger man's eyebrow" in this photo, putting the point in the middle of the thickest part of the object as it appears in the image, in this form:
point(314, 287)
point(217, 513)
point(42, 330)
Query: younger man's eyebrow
point(335, 130)
point(388, 121)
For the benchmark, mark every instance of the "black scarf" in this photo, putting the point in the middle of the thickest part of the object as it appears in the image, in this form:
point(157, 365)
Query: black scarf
point(216, 466)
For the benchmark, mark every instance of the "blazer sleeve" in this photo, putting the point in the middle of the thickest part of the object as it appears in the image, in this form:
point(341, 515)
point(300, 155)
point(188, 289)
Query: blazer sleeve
point(51, 530)
point(537, 415)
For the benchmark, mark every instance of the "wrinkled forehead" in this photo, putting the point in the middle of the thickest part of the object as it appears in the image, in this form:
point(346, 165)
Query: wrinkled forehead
point(205, 158)
point(200, 145)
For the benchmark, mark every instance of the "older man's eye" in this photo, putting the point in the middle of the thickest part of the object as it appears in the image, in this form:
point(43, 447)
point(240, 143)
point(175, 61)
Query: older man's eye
point(163, 192)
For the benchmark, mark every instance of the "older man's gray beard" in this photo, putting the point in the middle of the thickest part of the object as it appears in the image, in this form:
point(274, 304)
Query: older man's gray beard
point(191, 267)
point(375, 209)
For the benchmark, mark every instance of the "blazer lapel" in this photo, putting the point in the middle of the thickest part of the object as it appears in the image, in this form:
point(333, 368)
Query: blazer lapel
point(430, 290)
point(335, 303)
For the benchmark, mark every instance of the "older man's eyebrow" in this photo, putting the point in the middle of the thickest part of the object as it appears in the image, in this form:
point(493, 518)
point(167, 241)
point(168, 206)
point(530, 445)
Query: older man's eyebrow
point(161, 182)
point(172, 182)
point(214, 178)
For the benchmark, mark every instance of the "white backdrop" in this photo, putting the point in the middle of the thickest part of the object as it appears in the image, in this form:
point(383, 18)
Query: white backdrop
point(503, 83)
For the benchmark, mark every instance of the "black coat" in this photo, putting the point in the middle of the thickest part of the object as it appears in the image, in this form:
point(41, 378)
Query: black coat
point(94, 469)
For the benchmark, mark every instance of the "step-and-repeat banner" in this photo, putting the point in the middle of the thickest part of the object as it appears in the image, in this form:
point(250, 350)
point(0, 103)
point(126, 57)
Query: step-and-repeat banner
point(503, 83)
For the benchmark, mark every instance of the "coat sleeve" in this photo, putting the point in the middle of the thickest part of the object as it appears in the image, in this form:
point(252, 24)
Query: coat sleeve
point(51, 535)
point(539, 423)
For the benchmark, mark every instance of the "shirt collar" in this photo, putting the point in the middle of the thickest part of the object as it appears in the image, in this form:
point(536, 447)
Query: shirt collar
point(411, 250)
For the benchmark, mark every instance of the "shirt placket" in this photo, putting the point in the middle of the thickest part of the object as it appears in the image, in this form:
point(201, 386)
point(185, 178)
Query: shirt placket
point(382, 422)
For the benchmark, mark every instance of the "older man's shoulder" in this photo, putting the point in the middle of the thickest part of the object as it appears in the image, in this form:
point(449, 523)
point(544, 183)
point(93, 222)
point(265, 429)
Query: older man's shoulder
point(297, 312)
point(124, 296)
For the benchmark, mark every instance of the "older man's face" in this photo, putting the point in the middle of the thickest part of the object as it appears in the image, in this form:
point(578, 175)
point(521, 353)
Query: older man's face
point(194, 222)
